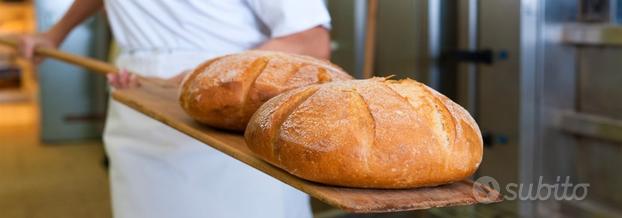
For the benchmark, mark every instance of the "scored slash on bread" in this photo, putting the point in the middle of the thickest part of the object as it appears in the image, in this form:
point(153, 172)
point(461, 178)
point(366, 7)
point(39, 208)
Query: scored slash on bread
point(373, 133)
point(224, 92)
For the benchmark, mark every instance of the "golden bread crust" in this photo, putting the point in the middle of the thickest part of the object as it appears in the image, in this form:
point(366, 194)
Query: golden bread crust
point(372, 133)
point(224, 92)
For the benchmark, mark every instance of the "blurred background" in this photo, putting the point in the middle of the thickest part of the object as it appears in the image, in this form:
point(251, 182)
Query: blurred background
point(543, 78)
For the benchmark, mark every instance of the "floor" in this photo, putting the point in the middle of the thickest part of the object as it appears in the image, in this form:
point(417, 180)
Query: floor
point(43, 180)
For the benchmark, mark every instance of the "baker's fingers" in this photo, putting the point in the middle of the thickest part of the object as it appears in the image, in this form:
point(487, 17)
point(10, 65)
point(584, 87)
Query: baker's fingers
point(124, 79)
point(113, 80)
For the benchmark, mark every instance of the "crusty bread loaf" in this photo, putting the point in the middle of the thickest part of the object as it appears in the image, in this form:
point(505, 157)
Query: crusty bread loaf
point(373, 133)
point(225, 92)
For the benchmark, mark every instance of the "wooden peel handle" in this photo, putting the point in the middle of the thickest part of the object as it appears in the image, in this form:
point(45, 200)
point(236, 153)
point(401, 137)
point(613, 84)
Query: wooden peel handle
point(96, 66)
point(88, 63)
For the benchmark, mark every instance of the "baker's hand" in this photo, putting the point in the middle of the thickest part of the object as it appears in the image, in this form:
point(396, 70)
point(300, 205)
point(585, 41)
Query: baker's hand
point(26, 45)
point(123, 80)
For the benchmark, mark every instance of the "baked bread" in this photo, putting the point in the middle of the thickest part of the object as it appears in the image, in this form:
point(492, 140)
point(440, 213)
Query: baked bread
point(224, 92)
point(373, 133)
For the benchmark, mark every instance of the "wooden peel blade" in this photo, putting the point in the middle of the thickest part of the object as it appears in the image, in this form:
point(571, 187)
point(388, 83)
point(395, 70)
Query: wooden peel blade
point(161, 104)
point(157, 98)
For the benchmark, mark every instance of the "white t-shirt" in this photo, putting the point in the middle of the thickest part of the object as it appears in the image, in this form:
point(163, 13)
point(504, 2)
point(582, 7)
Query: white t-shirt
point(159, 172)
point(217, 26)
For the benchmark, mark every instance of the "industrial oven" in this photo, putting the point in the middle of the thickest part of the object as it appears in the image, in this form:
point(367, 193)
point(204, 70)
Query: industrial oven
point(542, 77)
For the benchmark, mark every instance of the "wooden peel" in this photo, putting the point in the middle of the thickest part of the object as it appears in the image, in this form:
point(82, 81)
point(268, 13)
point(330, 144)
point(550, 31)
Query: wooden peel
point(160, 103)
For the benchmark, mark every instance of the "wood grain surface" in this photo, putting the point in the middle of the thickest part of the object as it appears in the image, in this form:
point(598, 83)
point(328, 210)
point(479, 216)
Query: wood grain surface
point(160, 102)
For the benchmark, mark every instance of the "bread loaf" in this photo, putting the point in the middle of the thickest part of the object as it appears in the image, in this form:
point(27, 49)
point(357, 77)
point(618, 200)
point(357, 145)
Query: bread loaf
point(374, 133)
point(225, 92)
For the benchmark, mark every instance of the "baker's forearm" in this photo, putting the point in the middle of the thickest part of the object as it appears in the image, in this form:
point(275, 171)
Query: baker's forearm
point(313, 42)
point(78, 12)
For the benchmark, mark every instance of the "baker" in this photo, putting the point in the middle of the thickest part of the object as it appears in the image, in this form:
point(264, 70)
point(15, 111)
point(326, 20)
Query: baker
point(156, 171)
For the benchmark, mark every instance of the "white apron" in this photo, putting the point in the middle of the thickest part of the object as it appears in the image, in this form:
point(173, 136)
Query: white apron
point(156, 171)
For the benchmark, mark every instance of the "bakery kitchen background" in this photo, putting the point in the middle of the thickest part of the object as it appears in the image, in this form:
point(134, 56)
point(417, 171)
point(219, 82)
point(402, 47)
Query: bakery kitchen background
point(478, 108)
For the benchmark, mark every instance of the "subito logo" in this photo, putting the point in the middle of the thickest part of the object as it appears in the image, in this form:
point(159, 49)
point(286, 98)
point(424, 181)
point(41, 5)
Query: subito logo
point(480, 189)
